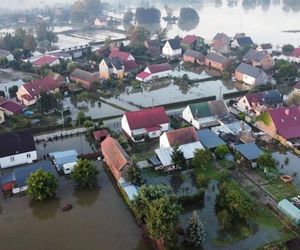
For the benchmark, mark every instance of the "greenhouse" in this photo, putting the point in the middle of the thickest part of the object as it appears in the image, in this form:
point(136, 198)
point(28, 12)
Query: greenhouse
point(290, 210)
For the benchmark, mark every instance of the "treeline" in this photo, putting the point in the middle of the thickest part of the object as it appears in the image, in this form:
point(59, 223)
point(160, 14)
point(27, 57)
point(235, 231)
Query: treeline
point(83, 10)
point(147, 15)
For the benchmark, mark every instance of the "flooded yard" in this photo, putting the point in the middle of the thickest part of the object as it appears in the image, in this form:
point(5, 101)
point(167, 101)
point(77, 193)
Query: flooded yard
point(99, 218)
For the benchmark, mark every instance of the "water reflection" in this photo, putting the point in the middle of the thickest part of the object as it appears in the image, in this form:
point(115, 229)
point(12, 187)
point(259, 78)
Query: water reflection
point(86, 197)
point(186, 25)
point(38, 208)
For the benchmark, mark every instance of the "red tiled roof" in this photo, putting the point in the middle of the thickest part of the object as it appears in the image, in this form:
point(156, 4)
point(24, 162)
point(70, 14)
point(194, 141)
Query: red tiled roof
point(156, 68)
point(27, 97)
point(129, 65)
point(182, 136)
point(189, 39)
point(46, 84)
point(147, 118)
point(12, 107)
point(124, 56)
point(115, 156)
point(153, 128)
point(100, 134)
point(44, 60)
point(287, 121)
point(254, 98)
point(143, 75)
point(296, 52)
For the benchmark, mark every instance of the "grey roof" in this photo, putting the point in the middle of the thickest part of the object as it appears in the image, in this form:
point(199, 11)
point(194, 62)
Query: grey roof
point(195, 54)
point(266, 46)
point(4, 53)
point(114, 62)
point(21, 174)
point(16, 143)
point(174, 43)
point(217, 58)
point(209, 139)
point(218, 107)
point(254, 55)
point(249, 70)
point(249, 150)
point(244, 41)
point(222, 36)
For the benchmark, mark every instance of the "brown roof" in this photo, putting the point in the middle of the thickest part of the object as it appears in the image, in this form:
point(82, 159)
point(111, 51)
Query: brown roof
point(83, 75)
point(182, 136)
point(115, 156)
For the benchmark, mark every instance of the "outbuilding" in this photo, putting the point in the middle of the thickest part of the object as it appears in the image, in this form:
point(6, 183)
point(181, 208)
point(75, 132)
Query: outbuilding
point(209, 139)
point(290, 210)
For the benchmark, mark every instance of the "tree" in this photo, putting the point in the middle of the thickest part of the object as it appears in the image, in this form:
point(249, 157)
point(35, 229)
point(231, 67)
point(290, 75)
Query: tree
point(44, 34)
point(195, 232)
point(128, 17)
point(154, 206)
point(81, 117)
point(285, 71)
point(221, 151)
point(147, 15)
point(178, 157)
point(47, 102)
point(29, 43)
point(287, 49)
point(85, 173)
point(202, 159)
point(134, 175)
point(41, 185)
point(12, 91)
point(139, 35)
point(266, 161)
point(3, 62)
point(188, 19)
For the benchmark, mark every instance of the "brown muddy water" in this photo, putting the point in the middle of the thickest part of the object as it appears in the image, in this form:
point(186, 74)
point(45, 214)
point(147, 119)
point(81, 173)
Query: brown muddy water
point(99, 218)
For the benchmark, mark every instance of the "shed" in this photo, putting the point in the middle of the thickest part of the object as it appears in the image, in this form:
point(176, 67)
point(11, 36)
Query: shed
point(63, 157)
point(7, 182)
point(209, 139)
point(100, 135)
point(249, 150)
point(290, 210)
point(21, 174)
point(130, 190)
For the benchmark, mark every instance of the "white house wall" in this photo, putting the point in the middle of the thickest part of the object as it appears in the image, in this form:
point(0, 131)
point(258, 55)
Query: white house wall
point(125, 126)
point(18, 159)
point(163, 141)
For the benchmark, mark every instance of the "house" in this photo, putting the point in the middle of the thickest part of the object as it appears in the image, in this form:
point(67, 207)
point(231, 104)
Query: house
point(153, 47)
point(115, 157)
point(152, 122)
point(251, 75)
point(101, 22)
point(111, 67)
point(11, 108)
point(100, 135)
point(130, 67)
point(29, 93)
point(178, 137)
point(250, 151)
point(62, 55)
point(205, 114)
point(260, 59)
point(17, 148)
point(21, 174)
point(241, 42)
point(172, 48)
point(2, 117)
point(195, 57)
point(267, 47)
point(297, 88)
point(84, 78)
point(6, 54)
point(217, 61)
point(284, 121)
point(209, 139)
point(122, 55)
point(185, 139)
point(221, 43)
point(154, 71)
point(236, 128)
point(49, 60)
point(256, 103)
point(192, 42)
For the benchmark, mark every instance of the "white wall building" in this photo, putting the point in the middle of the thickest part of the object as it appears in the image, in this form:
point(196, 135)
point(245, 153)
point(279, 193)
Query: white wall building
point(172, 48)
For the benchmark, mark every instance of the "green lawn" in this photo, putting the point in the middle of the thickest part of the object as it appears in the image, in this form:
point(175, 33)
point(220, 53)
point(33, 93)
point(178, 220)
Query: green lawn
point(142, 151)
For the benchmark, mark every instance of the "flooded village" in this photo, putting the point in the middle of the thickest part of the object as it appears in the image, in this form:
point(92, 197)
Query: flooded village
point(150, 124)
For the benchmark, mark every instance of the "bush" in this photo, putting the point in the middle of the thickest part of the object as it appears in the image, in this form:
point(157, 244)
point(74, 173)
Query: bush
point(203, 181)
point(221, 151)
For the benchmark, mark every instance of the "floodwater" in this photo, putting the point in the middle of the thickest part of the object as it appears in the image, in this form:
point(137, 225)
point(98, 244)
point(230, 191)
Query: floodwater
point(99, 218)
point(291, 167)
point(210, 222)
point(174, 93)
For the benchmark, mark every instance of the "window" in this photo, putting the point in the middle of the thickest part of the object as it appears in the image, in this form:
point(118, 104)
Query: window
point(12, 159)
point(28, 155)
